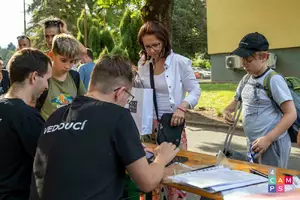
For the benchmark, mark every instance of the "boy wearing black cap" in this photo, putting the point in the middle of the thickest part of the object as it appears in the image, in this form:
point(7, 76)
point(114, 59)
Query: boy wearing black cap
point(264, 125)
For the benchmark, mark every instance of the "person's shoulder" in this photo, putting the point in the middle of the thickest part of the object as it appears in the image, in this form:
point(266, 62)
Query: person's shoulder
point(86, 67)
point(116, 109)
point(20, 109)
point(118, 112)
point(179, 58)
point(143, 67)
point(71, 75)
point(274, 76)
point(13, 104)
point(246, 77)
point(96, 107)
point(142, 63)
point(91, 64)
point(81, 67)
point(58, 113)
point(123, 117)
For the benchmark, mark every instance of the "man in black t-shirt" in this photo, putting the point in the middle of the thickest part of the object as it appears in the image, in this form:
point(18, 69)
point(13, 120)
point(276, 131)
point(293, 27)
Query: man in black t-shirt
point(87, 146)
point(21, 124)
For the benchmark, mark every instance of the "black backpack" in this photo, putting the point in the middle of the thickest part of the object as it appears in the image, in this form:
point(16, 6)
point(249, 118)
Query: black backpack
point(41, 100)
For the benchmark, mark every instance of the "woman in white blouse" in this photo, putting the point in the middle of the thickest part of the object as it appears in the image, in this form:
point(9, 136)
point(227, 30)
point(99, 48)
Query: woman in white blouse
point(173, 75)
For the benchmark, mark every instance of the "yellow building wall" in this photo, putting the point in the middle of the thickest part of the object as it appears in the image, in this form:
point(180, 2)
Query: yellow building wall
point(229, 20)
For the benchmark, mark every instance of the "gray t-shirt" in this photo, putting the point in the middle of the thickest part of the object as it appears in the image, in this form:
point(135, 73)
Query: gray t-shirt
point(259, 115)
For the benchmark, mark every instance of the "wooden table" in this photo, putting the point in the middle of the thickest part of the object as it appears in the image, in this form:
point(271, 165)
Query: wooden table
point(198, 159)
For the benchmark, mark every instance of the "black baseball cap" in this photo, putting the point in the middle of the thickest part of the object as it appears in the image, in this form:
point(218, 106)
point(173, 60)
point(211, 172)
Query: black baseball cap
point(251, 43)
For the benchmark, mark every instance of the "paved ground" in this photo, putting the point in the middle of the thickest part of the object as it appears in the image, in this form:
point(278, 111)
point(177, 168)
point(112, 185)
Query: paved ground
point(209, 141)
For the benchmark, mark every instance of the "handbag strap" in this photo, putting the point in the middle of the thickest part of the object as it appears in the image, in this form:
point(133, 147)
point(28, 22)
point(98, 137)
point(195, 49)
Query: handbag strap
point(153, 88)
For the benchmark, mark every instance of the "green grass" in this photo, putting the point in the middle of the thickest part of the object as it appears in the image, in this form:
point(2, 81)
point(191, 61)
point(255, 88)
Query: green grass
point(216, 96)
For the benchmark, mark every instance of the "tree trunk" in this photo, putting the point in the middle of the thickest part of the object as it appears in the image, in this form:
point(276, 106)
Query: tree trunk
point(159, 10)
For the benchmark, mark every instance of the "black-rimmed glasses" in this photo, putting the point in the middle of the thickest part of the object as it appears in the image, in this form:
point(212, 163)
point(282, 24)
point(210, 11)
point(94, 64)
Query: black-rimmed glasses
point(130, 98)
point(154, 46)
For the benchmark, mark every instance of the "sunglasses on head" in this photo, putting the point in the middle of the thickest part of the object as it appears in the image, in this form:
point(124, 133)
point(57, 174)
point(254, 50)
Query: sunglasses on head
point(49, 23)
point(22, 37)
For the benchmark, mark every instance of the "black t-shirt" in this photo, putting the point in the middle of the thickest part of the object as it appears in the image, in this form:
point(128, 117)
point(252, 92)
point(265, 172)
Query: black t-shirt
point(20, 128)
point(84, 150)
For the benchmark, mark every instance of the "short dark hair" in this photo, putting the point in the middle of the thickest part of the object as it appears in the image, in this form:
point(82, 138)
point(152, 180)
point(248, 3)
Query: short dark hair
point(89, 52)
point(26, 61)
point(110, 72)
point(156, 28)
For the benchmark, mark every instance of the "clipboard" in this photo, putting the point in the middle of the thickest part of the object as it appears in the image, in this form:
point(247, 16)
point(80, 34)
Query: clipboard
point(217, 178)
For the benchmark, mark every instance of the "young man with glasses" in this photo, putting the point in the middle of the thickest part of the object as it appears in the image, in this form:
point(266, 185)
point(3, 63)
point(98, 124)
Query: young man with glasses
point(23, 42)
point(264, 124)
point(86, 146)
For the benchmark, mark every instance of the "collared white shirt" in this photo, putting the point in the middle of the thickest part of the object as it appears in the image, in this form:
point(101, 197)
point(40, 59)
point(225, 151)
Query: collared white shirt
point(180, 79)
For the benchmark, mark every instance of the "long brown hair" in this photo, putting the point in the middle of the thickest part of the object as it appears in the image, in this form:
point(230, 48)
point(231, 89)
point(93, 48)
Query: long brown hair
point(157, 29)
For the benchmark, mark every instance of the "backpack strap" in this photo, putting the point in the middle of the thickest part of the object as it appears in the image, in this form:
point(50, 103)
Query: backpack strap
point(244, 82)
point(76, 78)
point(41, 100)
point(267, 84)
point(267, 88)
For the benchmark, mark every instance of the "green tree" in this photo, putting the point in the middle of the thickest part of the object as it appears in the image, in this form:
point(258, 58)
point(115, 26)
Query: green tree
point(119, 51)
point(90, 22)
point(11, 47)
point(6, 53)
point(109, 16)
point(99, 36)
point(200, 61)
point(3, 54)
point(67, 10)
point(157, 10)
point(9, 55)
point(129, 27)
point(104, 52)
point(189, 27)
point(107, 39)
point(94, 41)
